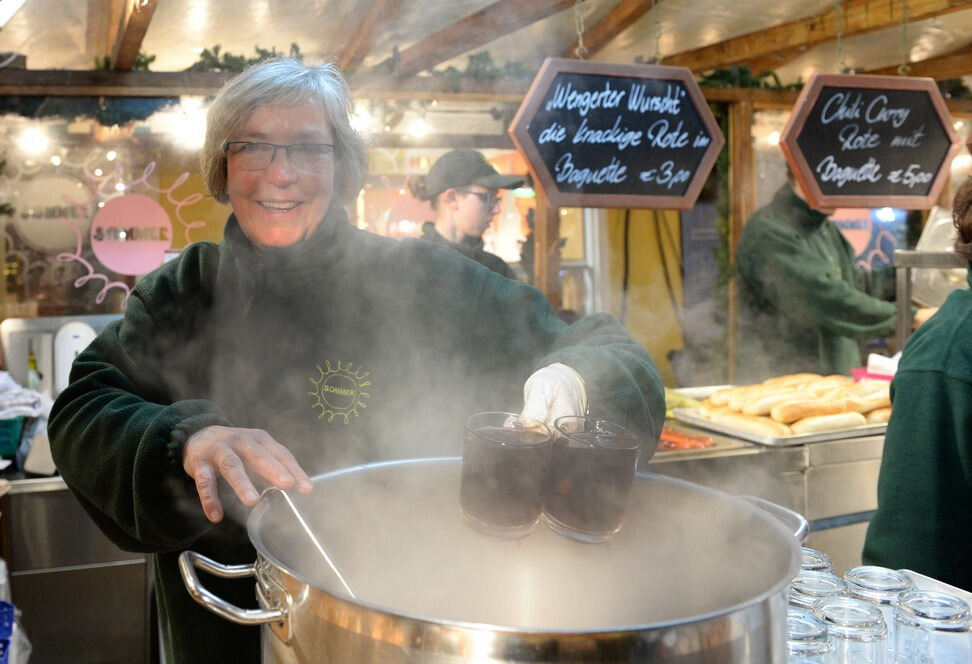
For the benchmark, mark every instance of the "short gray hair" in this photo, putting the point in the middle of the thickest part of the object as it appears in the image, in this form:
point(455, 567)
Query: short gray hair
point(285, 82)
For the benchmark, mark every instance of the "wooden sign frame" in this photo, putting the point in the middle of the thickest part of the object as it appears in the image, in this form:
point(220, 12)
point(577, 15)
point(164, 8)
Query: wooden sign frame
point(551, 68)
point(804, 172)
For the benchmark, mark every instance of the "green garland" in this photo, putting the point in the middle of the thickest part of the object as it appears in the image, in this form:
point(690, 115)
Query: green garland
point(107, 111)
point(741, 76)
point(954, 88)
point(213, 60)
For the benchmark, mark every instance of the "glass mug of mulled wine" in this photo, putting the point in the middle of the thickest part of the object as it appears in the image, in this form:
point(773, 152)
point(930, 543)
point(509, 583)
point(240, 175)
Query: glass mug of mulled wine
point(592, 468)
point(504, 465)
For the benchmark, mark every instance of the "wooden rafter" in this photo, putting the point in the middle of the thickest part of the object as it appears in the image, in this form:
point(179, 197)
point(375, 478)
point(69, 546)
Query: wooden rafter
point(943, 67)
point(859, 17)
point(474, 30)
point(76, 83)
point(774, 61)
point(135, 21)
point(620, 17)
point(362, 39)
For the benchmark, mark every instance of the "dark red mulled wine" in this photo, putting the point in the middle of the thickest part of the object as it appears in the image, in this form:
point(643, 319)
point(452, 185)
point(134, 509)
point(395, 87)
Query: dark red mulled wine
point(503, 472)
point(589, 480)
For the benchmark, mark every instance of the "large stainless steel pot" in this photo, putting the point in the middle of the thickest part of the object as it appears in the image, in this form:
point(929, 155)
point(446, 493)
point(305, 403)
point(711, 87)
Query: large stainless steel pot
point(694, 575)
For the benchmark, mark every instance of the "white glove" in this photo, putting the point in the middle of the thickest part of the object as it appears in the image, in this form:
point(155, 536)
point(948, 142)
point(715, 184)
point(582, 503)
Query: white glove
point(553, 391)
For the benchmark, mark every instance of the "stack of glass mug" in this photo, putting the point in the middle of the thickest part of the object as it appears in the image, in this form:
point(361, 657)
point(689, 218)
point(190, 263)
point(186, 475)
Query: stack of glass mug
point(873, 615)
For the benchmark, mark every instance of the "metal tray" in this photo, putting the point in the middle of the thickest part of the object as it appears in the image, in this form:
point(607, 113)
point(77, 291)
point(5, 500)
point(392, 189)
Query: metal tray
point(923, 582)
point(691, 416)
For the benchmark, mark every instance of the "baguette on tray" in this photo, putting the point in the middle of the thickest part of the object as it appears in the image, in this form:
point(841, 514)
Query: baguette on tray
point(799, 404)
point(752, 423)
point(833, 422)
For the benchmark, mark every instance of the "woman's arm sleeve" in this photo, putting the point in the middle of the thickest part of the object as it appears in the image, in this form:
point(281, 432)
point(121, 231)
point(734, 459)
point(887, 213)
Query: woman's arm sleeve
point(515, 322)
point(117, 430)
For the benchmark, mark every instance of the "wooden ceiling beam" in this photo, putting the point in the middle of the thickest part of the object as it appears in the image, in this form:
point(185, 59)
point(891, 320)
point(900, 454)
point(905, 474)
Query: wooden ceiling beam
point(618, 19)
point(859, 17)
point(363, 37)
point(774, 61)
point(490, 23)
point(135, 20)
point(942, 67)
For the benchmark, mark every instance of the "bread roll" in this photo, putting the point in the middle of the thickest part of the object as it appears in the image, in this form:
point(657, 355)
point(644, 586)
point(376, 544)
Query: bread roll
point(707, 408)
point(797, 409)
point(751, 423)
point(879, 415)
point(791, 379)
point(761, 404)
point(828, 423)
point(865, 397)
point(721, 397)
point(827, 384)
point(742, 396)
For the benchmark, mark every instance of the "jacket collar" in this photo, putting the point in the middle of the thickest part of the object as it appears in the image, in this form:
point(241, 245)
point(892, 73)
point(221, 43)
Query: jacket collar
point(321, 249)
point(793, 210)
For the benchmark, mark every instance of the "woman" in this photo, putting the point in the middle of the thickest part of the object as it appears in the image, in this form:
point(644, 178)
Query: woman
point(301, 344)
point(462, 188)
point(924, 516)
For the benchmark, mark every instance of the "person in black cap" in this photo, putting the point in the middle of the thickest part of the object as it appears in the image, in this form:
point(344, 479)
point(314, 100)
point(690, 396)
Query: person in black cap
point(463, 190)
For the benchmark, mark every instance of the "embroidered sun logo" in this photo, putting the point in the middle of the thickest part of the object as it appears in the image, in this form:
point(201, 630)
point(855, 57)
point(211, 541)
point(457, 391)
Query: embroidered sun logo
point(340, 391)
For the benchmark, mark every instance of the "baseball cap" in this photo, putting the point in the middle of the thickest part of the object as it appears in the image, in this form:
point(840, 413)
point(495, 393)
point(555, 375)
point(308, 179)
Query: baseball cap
point(458, 168)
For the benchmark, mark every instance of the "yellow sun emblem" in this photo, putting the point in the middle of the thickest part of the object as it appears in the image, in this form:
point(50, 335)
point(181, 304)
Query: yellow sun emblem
point(340, 391)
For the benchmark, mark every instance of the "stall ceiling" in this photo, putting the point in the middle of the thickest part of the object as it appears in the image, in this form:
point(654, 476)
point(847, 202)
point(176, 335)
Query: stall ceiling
point(794, 37)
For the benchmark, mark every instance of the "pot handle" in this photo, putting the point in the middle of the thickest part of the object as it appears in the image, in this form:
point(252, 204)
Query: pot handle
point(189, 560)
point(795, 521)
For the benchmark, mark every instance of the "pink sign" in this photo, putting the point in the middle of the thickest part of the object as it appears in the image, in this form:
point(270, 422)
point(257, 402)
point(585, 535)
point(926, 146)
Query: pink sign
point(130, 234)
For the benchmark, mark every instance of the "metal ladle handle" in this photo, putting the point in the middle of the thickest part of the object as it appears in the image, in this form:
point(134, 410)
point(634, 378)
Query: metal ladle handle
point(313, 538)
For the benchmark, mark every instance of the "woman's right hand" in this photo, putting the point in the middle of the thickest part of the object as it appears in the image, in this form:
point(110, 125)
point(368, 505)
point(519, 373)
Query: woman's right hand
point(237, 455)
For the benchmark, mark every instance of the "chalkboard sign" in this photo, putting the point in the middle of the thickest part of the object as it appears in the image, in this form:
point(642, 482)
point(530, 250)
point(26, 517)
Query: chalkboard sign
point(870, 141)
point(611, 135)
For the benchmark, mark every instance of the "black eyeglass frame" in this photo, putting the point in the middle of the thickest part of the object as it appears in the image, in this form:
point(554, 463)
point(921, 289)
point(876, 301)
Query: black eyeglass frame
point(488, 198)
point(273, 155)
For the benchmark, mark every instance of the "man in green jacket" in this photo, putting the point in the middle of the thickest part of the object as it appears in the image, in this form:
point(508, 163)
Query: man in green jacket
point(804, 305)
point(924, 516)
point(301, 344)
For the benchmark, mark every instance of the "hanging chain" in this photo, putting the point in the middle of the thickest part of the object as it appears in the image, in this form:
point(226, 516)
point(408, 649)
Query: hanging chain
point(840, 24)
point(581, 50)
point(903, 69)
point(656, 29)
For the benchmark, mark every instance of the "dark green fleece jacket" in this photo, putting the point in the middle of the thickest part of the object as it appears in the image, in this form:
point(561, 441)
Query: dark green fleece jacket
point(347, 348)
point(472, 249)
point(803, 303)
point(924, 515)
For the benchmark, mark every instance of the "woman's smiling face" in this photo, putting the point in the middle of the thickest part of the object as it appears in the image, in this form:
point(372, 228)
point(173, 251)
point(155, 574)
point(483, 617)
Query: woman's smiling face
point(281, 205)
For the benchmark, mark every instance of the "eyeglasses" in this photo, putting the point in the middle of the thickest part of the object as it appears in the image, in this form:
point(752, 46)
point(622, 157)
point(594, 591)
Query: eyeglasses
point(256, 155)
point(488, 198)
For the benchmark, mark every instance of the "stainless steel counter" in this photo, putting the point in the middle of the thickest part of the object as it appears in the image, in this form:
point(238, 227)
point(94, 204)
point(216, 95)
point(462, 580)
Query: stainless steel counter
point(833, 484)
point(81, 597)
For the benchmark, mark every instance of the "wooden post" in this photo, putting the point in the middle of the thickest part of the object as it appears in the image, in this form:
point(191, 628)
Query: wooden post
point(546, 250)
point(742, 201)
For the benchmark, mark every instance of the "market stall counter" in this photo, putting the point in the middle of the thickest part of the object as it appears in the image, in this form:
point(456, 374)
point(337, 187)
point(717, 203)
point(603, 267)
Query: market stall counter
point(831, 482)
point(81, 597)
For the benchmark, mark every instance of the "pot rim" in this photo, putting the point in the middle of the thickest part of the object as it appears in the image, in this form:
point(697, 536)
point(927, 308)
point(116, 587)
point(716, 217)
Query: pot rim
point(777, 589)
